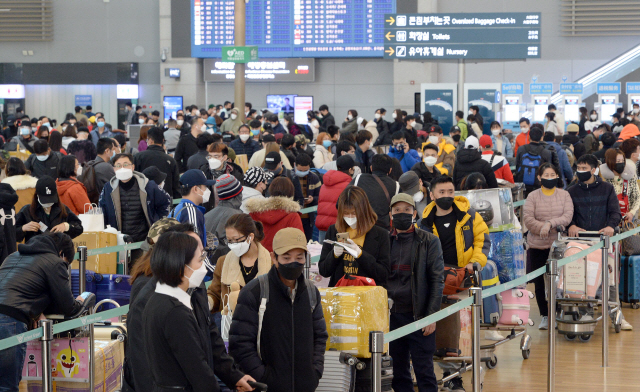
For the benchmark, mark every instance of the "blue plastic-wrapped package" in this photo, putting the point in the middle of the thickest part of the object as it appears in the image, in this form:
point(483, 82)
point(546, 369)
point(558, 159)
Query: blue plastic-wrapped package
point(507, 251)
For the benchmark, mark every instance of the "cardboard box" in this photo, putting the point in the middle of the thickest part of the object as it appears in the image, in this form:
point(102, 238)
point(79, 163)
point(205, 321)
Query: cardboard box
point(350, 313)
point(103, 264)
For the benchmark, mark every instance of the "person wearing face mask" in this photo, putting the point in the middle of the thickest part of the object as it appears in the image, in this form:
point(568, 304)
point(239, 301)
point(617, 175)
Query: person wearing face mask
point(219, 163)
point(460, 123)
point(631, 150)
point(621, 173)
point(72, 192)
point(244, 144)
point(23, 140)
point(592, 122)
point(255, 185)
point(278, 321)
point(368, 243)
point(171, 136)
point(246, 260)
point(592, 141)
point(563, 157)
point(176, 333)
point(364, 154)
point(446, 151)
point(310, 184)
point(523, 137)
point(334, 182)
point(131, 202)
point(43, 161)
point(155, 156)
point(102, 130)
point(46, 213)
point(498, 163)
point(473, 126)
point(608, 140)
point(470, 161)
point(350, 123)
point(427, 170)
point(402, 152)
point(544, 210)
point(572, 141)
point(229, 193)
point(232, 124)
point(415, 285)
point(455, 134)
point(411, 185)
point(128, 106)
point(33, 281)
point(322, 154)
point(312, 128)
point(187, 145)
point(530, 156)
point(500, 144)
point(101, 169)
point(558, 118)
point(43, 132)
point(410, 133)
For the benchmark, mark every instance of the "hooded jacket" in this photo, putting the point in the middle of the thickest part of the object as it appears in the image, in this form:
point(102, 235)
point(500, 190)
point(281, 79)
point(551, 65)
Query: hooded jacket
point(73, 194)
point(334, 183)
point(472, 234)
point(35, 280)
point(25, 187)
point(53, 219)
point(470, 161)
point(155, 201)
point(230, 125)
point(8, 199)
point(629, 131)
point(275, 213)
point(595, 206)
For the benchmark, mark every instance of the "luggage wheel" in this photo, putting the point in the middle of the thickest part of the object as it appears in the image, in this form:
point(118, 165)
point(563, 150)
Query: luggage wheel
point(570, 337)
point(635, 305)
point(493, 362)
point(526, 353)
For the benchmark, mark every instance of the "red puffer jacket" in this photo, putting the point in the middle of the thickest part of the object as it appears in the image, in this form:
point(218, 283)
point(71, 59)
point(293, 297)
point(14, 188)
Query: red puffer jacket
point(334, 183)
point(275, 213)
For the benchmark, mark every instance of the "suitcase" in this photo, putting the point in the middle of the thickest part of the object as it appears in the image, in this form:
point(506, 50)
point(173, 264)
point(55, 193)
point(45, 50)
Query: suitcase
point(448, 334)
point(572, 276)
point(115, 287)
point(630, 280)
point(363, 377)
point(515, 307)
point(110, 331)
point(337, 376)
point(490, 306)
point(91, 279)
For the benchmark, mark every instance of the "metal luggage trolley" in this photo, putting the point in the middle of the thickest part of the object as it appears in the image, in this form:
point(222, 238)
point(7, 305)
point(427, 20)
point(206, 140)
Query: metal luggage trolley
point(572, 299)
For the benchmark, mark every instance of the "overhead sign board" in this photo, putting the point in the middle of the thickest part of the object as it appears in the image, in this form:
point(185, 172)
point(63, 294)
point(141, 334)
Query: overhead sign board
point(11, 91)
point(271, 70)
point(608, 88)
point(513, 88)
point(633, 87)
point(83, 100)
point(495, 35)
point(239, 54)
point(571, 88)
point(541, 88)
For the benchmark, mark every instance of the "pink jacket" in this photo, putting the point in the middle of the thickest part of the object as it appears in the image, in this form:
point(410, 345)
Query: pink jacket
point(538, 209)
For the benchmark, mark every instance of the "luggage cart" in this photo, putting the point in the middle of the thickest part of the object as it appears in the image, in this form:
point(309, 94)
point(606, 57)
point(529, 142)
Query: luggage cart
point(573, 302)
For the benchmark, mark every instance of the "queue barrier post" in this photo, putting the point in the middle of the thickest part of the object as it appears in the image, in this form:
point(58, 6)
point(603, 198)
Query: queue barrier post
point(552, 273)
point(82, 268)
point(376, 345)
point(45, 341)
point(476, 310)
point(605, 300)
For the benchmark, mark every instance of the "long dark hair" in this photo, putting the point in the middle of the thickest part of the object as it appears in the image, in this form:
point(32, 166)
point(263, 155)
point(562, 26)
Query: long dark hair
point(170, 256)
point(33, 208)
point(55, 141)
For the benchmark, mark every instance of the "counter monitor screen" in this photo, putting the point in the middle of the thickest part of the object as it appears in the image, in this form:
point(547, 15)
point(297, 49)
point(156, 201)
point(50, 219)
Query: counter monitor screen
point(635, 100)
point(302, 105)
point(608, 99)
point(281, 103)
point(171, 104)
point(512, 109)
point(540, 108)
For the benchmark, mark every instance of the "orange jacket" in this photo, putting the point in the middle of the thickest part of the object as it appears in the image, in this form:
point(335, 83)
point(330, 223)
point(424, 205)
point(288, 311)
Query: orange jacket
point(629, 131)
point(521, 140)
point(73, 194)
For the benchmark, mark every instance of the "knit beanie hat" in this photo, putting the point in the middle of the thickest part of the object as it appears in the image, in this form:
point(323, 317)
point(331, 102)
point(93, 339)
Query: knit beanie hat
point(227, 187)
point(254, 176)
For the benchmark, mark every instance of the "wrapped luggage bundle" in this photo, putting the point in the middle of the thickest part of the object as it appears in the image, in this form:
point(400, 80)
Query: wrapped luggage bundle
point(350, 313)
point(507, 252)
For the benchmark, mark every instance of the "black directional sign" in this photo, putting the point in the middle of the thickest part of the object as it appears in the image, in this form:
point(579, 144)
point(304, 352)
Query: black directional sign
point(497, 35)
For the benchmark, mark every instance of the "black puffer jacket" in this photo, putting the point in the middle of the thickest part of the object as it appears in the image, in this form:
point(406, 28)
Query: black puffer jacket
point(53, 219)
point(293, 339)
point(155, 156)
point(578, 146)
point(469, 160)
point(35, 280)
point(8, 199)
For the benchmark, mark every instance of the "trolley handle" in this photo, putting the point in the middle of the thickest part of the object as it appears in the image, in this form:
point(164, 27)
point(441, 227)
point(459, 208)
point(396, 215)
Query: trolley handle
point(258, 386)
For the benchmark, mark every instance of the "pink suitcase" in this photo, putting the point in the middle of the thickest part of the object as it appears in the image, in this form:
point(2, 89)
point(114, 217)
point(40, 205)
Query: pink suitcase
point(572, 276)
point(515, 307)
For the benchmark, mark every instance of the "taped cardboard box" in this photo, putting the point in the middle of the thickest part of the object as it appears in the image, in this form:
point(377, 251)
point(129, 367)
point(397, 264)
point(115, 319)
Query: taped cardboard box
point(109, 359)
point(350, 313)
point(103, 264)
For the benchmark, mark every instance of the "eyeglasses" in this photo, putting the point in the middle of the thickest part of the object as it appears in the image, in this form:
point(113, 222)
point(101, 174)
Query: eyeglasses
point(239, 240)
point(125, 166)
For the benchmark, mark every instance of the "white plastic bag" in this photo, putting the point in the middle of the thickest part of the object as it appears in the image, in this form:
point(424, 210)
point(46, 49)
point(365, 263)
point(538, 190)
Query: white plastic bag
point(93, 219)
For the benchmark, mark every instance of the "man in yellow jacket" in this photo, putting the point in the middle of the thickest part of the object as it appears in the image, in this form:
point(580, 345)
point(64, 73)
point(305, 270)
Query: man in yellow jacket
point(446, 151)
point(465, 240)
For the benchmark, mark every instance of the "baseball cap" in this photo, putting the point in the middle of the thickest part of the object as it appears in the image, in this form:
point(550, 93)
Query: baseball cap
point(254, 176)
point(434, 128)
point(573, 128)
point(195, 177)
point(302, 139)
point(471, 142)
point(345, 162)
point(485, 141)
point(403, 197)
point(154, 174)
point(272, 160)
point(157, 229)
point(227, 187)
point(47, 190)
point(409, 183)
point(287, 239)
point(455, 128)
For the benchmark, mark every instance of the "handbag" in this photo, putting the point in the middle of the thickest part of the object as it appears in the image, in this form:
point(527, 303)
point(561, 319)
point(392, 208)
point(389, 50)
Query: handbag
point(623, 198)
point(456, 280)
point(92, 220)
point(354, 280)
point(225, 323)
point(631, 245)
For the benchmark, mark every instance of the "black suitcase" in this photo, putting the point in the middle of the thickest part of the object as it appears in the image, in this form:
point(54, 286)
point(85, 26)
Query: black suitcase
point(363, 377)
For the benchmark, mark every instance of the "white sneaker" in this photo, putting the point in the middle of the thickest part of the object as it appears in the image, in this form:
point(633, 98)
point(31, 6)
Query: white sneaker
point(544, 323)
point(626, 326)
point(493, 335)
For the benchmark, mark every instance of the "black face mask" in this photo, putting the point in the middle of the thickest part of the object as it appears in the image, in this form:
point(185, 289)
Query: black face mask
point(456, 138)
point(583, 176)
point(402, 221)
point(291, 271)
point(444, 202)
point(549, 183)
point(620, 167)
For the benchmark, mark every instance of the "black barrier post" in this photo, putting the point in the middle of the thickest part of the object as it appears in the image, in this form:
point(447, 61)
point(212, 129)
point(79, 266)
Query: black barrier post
point(552, 272)
point(476, 309)
point(47, 337)
point(605, 300)
point(82, 268)
point(376, 345)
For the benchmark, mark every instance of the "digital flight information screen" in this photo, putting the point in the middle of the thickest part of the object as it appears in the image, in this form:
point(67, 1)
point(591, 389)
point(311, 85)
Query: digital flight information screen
point(293, 28)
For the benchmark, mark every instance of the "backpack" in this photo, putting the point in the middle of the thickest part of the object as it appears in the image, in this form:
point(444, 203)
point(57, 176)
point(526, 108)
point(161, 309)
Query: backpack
point(528, 167)
point(264, 299)
point(88, 178)
point(570, 155)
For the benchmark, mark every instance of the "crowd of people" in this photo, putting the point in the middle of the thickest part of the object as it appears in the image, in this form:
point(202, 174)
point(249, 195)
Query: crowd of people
point(385, 193)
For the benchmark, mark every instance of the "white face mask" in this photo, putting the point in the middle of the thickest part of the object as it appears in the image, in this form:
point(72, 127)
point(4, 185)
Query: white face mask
point(636, 111)
point(351, 221)
point(434, 139)
point(42, 158)
point(45, 205)
point(244, 138)
point(203, 128)
point(240, 248)
point(124, 174)
point(412, 124)
point(196, 278)
point(418, 197)
point(594, 117)
point(496, 132)
point(470, 111)
point(141, 120)
point(430, 161)
point(206, 196)
point(394, 115)
point(349, 116)
point(214, 164)
point(79, 171)
point(234, 116)
point(180, 122)
point(378, 116)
